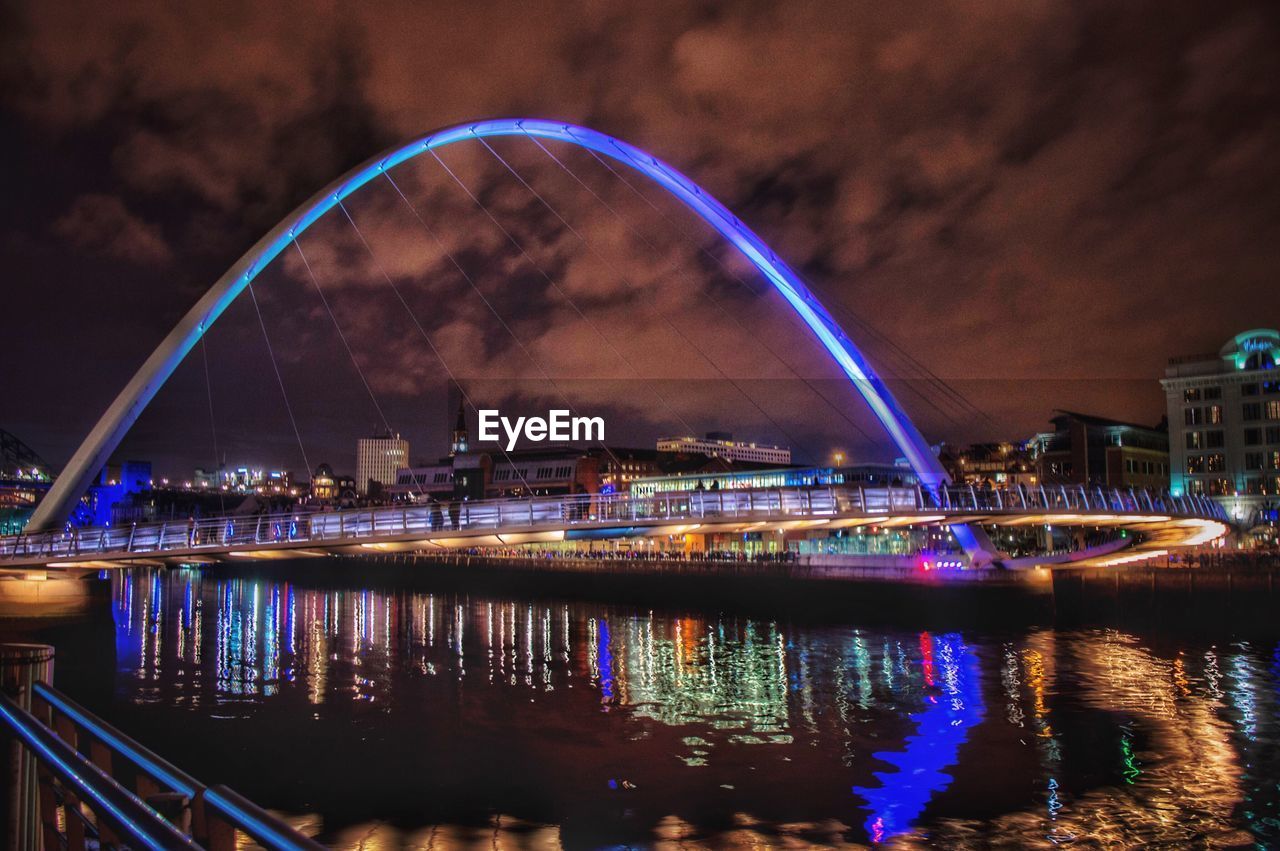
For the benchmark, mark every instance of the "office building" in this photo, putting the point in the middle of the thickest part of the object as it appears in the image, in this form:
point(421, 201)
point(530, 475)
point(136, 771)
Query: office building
point(1224, 424)
point(377, 460)
point(1084, 449)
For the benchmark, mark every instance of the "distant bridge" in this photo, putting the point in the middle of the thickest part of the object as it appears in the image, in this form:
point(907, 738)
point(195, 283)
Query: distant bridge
point(1156, 521)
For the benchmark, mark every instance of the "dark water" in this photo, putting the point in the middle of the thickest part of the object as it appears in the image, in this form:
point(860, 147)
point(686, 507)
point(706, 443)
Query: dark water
point(393, 718)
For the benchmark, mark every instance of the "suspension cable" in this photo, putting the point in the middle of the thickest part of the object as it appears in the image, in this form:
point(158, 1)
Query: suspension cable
point(466, 276)
point(631, 286)
point(279, 379)
point(955, 396)
point(423, 331)
point(949, 392)
point(354, 362)
point(551, 282)
point(341, 336)
point(677, 267)
point(213, 428)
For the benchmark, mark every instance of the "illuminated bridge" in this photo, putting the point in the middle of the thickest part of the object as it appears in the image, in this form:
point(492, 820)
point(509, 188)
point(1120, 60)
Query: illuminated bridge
point(1158, 521)
point(1152, 523)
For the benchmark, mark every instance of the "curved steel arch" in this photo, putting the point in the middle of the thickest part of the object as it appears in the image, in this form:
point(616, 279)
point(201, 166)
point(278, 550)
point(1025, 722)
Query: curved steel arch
point(116, 421)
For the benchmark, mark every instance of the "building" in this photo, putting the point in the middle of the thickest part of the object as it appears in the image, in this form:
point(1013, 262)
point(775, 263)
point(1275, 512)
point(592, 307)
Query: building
point(206, 479)
point(544, 472)
point(621, 466)
point(1089, 450)
point(482, 475)
point(167, 503)
point(460, 440)
point(242, 479)
point(720, 444)
point(723, 476)
point(464, 474)
point(995, 464)
point(117, 482)
point(1224, 424)
point(377, 460)
point(328, 488)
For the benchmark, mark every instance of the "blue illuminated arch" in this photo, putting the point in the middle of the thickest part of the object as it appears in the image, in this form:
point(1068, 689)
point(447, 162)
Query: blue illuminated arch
point(111, 428)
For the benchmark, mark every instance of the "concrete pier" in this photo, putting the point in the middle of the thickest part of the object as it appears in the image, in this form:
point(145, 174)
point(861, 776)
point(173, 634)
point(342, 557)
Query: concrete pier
point(37, 594)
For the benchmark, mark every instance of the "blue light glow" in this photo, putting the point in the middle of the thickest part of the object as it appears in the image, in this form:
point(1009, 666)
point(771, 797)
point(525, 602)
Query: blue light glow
point(902, 794)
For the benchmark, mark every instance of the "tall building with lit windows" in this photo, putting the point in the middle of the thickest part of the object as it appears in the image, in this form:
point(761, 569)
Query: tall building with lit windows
point(1224, 424)
point(378, 458)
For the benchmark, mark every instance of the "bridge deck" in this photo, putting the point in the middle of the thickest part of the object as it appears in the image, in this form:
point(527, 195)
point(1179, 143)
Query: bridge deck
point(1166, 521)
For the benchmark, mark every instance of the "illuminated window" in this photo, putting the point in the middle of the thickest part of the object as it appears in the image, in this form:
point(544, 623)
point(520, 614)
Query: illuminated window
point(1195, 440)
point(1195, 464)
point(1213, 414)
point(1191, 394)
point(1216, 462)
point(1193, 416)
point(1273, 410)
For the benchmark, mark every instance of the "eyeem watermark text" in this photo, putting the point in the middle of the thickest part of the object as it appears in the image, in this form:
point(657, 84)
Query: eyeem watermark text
point(558, 425)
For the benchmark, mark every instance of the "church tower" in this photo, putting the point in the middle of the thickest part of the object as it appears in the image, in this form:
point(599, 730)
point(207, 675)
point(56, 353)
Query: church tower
point(460, 442)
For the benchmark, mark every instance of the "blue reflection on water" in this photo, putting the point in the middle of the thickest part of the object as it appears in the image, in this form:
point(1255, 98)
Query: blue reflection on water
point(606, 664)
point(941, 729)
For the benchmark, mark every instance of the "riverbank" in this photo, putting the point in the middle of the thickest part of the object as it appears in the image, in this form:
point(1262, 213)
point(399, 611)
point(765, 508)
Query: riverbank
point(1236, 592)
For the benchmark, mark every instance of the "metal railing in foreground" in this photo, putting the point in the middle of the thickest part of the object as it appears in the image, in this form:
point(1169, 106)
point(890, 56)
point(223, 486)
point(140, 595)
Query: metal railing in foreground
point(497, 515)
point(115, 816)
point(82, 804)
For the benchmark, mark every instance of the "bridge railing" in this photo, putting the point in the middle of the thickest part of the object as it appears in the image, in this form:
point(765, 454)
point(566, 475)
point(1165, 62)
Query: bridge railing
point(438, 519)
point(83, 803)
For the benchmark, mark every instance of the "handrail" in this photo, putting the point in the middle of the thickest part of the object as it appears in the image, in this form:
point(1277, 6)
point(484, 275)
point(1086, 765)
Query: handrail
point(156, 766)
point(515, 513)
point(257, 822)
point(128, 815)
point(236, 810)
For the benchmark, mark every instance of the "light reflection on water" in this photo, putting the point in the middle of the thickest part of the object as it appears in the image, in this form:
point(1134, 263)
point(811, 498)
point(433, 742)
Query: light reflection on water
point(650, 727)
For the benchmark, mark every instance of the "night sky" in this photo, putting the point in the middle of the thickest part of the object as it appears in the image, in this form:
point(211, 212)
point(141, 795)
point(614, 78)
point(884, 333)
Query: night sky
point(1041, 202)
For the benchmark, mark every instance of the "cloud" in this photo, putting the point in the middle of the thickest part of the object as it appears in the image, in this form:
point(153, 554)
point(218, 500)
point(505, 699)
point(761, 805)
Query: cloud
point(102, 224)
point(1016, 193)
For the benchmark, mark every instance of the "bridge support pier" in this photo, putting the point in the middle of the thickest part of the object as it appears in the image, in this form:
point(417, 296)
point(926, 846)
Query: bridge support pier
point(40, 594)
